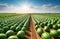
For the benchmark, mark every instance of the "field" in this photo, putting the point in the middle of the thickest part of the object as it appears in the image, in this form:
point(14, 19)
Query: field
point(30, 26)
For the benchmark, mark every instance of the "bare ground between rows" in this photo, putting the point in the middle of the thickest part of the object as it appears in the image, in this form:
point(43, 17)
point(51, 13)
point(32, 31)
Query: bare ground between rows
point(28, 34)
point(34, 33)
point(31, 32)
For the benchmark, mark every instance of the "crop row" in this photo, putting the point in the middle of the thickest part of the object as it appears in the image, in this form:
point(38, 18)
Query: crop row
point(14, 27)
point(47, 27)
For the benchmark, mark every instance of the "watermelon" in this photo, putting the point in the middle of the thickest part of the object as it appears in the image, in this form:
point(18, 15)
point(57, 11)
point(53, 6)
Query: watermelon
point(45, 23)
point(26, 26)
point(55, 27)
point(58, 22)
point(2, 36)
point(58, 25)
point(46, 35)
point(42, 25)
point(21, 34)
point(18, 28)
point(50, 25)
point(9, 33)
point(58, 31)
point(54, 33)
point(39, 31)
point(47, 28)
point(23, 29)
point(1, 30)
point(13, 37)
point(6, 28)
point(12, 28)
point(36, 27)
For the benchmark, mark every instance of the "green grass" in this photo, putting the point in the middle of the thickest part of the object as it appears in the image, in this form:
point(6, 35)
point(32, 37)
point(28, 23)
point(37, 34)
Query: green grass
point(49, 14)
point(6, 15)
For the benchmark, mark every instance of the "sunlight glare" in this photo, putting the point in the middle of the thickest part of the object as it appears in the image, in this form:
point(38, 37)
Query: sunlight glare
point(25, 7)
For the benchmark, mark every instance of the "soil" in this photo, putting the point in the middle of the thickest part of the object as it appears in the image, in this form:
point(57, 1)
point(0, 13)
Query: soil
point(31, 32)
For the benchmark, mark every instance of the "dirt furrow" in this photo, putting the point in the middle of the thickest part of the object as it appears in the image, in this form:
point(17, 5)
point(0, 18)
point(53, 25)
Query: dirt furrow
point(34, 34)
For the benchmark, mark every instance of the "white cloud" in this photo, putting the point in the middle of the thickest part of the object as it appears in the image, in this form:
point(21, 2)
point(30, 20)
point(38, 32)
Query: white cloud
point(27, 8)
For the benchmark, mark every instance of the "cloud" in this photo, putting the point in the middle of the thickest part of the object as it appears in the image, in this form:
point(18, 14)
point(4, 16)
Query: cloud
point(48, 8)
point(27, 8)
point(3, 6)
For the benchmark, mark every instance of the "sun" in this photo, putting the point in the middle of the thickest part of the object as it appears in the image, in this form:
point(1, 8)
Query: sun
point(25, 7)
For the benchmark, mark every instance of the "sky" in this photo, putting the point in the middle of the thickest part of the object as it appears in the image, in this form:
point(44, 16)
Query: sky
point(29, 6)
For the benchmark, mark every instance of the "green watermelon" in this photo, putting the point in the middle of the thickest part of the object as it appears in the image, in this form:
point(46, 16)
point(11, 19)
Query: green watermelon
point(58, 22)
point(37, 26)
point(23, 29)
point(6, 28)
point(9, 33)
point(42, 25)
point(58, 25)
point(18, 28)
point(45, 23)
point(47, 28)
point(13, 37)
point(2, 36)
point(13, 28)
point(58, 31)
point(21, 34)
point(54, 27)
point(46, 35)
point(50, 25)
point(1, 30)
point(54, 33)
point(39, 31)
